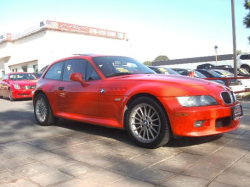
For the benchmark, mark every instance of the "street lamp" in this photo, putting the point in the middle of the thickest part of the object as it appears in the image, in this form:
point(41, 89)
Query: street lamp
point(215, 48)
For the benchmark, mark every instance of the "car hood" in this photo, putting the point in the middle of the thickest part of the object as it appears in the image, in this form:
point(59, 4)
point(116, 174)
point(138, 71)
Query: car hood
point(164, 85)
point(170, 79)
point(24, 82)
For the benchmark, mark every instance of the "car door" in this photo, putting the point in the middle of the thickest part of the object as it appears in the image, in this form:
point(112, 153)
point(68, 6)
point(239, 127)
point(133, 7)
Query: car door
point(52, 80)
point(72, 96)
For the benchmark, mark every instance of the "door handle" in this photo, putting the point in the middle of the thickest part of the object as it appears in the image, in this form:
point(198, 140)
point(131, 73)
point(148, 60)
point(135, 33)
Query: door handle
point(61, 88)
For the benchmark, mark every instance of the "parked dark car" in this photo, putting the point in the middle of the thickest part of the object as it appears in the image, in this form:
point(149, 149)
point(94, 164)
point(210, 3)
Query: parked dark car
point(205, 66)
point(163, 70)
point(240, 71)
point(210, 73)
point(181, 71)
point(197, 74)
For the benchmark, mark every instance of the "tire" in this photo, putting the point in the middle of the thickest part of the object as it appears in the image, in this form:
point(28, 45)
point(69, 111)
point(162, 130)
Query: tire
point(43, 112)
point(11, 95)
point(147, 123)
point(246, 68)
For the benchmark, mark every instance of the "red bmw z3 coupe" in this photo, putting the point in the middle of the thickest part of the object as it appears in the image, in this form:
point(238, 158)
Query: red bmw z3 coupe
point(120, 92)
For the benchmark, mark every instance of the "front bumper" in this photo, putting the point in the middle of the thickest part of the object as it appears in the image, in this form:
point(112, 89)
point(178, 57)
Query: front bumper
point(217, 119)
point(18, 94)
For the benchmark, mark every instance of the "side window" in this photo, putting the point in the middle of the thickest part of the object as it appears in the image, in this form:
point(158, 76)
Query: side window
point(91, 73)
point(55, 72)
point(74, 66)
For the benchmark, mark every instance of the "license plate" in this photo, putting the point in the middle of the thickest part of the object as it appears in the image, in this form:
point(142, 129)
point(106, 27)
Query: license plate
point(237, 112)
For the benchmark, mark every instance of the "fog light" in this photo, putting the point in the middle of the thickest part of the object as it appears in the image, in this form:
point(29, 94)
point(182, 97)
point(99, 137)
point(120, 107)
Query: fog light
point(199, 123)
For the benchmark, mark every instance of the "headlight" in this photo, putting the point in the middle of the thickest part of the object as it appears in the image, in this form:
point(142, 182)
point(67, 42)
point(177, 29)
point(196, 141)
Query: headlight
point(16, 86)
point(192, 101)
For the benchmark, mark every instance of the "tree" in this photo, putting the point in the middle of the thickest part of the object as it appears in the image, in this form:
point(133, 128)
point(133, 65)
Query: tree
point(147, 63)
point(246, 20)
point(161, 58)
point(238, 52)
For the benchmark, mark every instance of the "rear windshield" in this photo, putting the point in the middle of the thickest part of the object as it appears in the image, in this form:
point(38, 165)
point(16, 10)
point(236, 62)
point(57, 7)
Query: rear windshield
point(245, 57)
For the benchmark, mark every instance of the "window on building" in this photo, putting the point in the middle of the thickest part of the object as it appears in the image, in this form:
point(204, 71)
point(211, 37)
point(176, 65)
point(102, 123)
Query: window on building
point(35, 68)
point(14, 70)
point(25, 68)
point(55, 72)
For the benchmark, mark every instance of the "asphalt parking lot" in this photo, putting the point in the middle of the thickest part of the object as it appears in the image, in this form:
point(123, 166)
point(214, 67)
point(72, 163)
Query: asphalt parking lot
point(76, 154)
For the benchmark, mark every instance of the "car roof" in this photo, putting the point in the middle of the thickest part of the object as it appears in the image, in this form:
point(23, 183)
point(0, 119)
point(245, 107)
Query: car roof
point(96, 55)
point(79, 56)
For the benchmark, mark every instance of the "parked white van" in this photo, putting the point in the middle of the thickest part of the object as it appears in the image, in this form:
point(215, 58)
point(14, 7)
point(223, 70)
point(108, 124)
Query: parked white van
point(244, 61)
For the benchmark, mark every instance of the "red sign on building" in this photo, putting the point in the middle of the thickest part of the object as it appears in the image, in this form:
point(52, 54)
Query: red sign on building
point(84, 30)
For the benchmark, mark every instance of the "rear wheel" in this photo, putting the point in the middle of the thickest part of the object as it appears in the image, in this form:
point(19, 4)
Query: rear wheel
point(147, 123)
point(43, 112)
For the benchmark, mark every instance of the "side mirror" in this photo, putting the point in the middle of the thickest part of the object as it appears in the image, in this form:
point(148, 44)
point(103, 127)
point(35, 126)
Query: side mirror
point(78, 78)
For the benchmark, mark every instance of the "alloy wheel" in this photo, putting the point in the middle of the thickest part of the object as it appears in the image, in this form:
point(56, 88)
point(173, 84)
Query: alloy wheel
point(145, 123)
point(41, 109)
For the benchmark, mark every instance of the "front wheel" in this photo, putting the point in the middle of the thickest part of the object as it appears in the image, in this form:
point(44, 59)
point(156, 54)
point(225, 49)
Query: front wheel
point(43, 112)
point(11, 95)
point(147, 123)
point(246, 68)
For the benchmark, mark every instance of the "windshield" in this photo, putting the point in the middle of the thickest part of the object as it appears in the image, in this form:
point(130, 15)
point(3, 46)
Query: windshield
point(22, 76)
point(215, 74)
point(112, 66)
point(167, 71)
point(225, 73)
point(199, 75)
point(243, 71)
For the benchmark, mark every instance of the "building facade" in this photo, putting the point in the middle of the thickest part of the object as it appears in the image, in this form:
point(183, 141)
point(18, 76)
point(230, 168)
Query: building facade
point(40, 45)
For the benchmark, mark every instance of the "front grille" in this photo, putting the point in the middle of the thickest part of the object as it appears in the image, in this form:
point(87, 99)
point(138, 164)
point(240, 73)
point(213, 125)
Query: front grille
point(228, 97)
point(29, 87)
point(223, 122)
point(233, 96)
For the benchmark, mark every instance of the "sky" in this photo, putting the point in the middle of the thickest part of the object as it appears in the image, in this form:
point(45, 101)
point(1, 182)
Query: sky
point(177, 29)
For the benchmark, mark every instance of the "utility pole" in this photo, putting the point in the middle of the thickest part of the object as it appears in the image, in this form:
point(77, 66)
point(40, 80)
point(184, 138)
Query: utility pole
point(216, 58)
point(234, 38)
